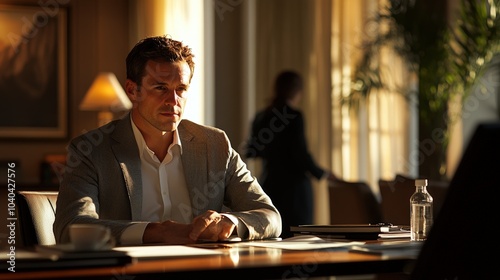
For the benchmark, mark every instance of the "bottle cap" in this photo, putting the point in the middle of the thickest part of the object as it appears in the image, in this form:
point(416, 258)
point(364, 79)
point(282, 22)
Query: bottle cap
point(421, 182)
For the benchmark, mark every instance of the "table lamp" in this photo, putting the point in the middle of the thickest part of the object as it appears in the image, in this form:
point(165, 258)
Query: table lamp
point(105, 95)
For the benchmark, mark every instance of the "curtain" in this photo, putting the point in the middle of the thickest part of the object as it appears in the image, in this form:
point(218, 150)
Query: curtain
point(376, 137)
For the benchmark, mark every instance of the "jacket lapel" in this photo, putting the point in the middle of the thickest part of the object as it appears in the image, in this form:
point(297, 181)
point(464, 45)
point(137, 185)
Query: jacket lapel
point(126, 152)
point(195, 171)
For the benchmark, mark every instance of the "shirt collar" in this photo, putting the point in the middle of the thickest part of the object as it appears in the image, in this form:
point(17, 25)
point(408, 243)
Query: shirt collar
point(141, 143)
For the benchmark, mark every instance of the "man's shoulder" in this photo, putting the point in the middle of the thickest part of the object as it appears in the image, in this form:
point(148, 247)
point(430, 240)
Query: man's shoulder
point(191, 131)
point(100, 134)
point(196, 128)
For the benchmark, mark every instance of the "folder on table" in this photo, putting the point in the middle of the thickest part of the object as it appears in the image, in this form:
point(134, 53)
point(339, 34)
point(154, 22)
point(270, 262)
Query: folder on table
point(349, 231)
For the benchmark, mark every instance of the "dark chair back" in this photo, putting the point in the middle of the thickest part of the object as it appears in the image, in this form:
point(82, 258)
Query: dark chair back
point(353, 203)
point(395, 199)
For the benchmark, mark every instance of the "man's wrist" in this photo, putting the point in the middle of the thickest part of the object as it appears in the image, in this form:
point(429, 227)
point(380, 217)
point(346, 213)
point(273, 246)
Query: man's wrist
point(241, 229)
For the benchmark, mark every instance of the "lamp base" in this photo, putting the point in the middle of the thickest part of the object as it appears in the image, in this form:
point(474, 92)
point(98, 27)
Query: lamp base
point(104, 117)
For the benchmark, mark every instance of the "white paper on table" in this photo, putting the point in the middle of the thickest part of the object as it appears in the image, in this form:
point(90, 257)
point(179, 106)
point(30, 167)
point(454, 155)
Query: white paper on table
point(165, 251)
point(302, 242)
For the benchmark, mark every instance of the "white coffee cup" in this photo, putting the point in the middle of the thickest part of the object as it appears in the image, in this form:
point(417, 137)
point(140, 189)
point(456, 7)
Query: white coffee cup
point(90, 237)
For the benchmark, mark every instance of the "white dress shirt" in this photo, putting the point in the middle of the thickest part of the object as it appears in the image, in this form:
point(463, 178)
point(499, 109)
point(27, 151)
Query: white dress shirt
point(165, 195)
point(164, 192)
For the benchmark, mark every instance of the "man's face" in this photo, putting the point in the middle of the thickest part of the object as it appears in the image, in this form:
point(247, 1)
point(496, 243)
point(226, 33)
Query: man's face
point(159, 102)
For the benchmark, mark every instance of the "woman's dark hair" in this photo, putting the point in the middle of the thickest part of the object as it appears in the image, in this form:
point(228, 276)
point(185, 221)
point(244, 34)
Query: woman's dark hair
point(286, 86)
point(157, 48)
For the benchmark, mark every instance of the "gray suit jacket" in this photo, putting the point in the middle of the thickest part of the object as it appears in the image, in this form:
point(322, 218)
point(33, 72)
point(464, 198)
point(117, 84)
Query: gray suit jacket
point(102, 180)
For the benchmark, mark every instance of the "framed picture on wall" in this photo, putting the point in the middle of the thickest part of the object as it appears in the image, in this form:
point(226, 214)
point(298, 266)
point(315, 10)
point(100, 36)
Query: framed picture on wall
point(33, 71)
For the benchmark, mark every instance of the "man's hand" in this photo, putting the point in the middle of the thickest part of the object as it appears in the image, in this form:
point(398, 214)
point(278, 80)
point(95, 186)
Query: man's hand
point(331, 177)
point(211, 226)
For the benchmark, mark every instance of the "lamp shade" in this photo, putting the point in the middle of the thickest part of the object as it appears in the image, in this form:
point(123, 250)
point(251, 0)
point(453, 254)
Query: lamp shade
point(105, 94)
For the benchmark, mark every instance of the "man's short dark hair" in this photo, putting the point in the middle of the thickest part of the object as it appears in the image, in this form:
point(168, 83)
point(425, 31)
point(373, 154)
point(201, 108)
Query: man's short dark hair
point(159, 49)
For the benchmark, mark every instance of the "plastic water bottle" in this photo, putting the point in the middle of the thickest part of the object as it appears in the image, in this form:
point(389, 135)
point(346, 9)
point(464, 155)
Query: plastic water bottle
point(420, 211)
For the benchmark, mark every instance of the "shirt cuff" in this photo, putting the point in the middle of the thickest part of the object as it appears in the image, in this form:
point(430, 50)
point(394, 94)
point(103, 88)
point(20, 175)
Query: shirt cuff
point(241, 228)
point(132, 235)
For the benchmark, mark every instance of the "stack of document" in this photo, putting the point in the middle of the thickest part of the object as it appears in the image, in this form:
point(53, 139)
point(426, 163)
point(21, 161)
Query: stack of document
point(353, 231)
point(401, 234)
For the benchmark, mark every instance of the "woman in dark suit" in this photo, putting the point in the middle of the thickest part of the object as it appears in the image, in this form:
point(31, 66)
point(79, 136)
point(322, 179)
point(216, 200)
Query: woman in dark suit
point(277, 136)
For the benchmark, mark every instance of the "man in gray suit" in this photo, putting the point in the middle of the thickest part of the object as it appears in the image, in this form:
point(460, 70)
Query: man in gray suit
point(152, 177)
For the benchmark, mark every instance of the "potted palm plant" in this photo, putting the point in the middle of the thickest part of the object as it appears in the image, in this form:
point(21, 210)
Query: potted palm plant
point(447, 59)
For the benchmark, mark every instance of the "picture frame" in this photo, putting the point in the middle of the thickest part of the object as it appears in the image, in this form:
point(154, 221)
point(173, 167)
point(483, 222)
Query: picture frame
point(33, 72)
